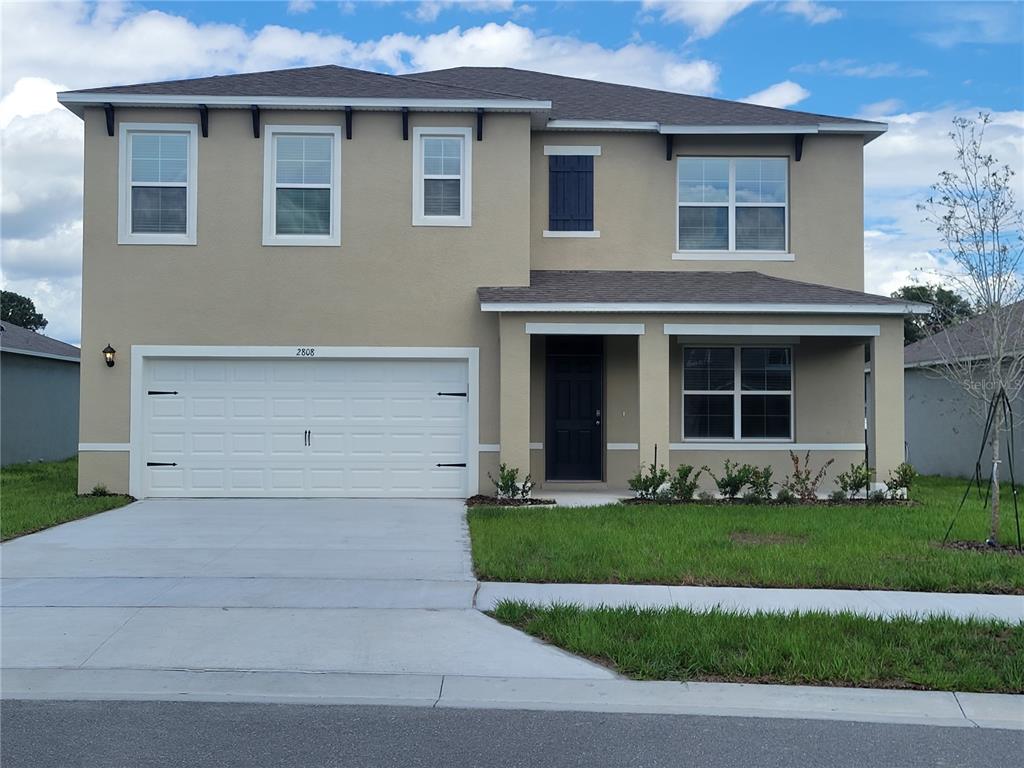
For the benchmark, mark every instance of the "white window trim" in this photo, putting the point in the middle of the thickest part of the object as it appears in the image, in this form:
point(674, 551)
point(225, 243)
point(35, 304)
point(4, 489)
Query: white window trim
point(731, 254)
point(570, 149)
point(125, 236)
point(466, 217)
point(270, 237)
point(737, 393)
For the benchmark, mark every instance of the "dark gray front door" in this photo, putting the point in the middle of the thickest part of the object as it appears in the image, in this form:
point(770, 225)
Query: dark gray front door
point(575, 399)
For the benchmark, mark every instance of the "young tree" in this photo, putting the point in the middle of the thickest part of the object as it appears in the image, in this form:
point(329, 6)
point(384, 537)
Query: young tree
point(948, 309)
point(20, 310)
point(982, 230)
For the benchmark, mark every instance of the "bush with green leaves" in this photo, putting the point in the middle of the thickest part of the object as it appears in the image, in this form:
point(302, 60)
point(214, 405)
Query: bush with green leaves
point(785, 495)
point(877, 497)
point(99, 490)
point(803, 482)
point(734, 478)
point(648, 482)
point(507, 486)
point(837, 495)
point(684, 482)
point(856, 479)
point(706, 496)
point(900, 480)
point(760, 481)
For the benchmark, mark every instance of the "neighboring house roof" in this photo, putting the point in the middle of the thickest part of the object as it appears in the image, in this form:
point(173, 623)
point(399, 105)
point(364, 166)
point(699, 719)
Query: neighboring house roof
point(553, 99)
point(574, 98)
point(576, 290)
point(22, 341)
point(965, 341)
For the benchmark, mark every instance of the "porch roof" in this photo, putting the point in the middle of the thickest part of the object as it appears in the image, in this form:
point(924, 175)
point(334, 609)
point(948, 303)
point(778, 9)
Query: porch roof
point(683, 291)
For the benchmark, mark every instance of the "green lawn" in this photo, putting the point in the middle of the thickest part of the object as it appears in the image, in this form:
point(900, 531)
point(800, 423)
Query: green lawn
point(38, 495)
point(860, 547)
point(800, 649)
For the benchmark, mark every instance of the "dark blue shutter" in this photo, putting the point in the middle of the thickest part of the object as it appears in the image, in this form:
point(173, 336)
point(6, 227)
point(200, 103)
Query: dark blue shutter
point(571, 193)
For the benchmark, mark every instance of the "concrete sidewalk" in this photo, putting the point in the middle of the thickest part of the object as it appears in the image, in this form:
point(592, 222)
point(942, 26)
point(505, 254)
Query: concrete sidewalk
point(879, 603)
point(524, 693)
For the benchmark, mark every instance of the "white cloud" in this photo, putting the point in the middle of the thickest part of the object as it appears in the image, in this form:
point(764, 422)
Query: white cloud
point(784, 94)
point(49, 43)
point(854, 68)
point(814, 13)
point(974, 23)
point(703, 17)
point(429, 10)
point(881, 108)
point(300, 6)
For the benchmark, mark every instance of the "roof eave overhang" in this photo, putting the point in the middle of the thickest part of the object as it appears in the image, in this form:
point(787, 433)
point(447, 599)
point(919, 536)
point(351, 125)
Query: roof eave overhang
point(747, 308)
point(34, 353)
point(77, 102)
point(868, 130)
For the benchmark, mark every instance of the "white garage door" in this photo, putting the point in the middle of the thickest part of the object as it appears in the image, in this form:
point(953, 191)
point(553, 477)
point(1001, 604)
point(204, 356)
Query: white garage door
point(304, 427)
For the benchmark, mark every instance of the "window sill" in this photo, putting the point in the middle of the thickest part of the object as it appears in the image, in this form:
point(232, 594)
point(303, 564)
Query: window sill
point(732, 256)
point(309, 241)
point(440, 221)
point(156, 240)
point(571, 234)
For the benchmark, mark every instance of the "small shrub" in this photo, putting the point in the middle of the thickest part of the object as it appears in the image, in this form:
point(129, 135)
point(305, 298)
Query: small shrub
point(785, 495)
point(753, 497)
point(684, 482)
point(877, 497)
point(648, 482)
point(900, 480)
point(837, 495)
point(733, 480)
point(507, 486)
point(760, 481)
point(855, 480)
point(99, 490)
point(803, 483)
point(706, 496)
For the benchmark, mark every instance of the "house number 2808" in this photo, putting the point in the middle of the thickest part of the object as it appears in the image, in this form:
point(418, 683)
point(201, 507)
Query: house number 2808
point(305, 351)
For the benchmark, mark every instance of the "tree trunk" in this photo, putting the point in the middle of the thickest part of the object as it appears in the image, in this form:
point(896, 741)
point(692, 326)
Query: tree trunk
point(993, 534)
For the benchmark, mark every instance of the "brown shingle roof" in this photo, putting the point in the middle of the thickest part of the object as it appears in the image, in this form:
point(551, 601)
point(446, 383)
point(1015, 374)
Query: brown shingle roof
point(579, 99)
point(965, 341)
point(15, 339)
point(678, 287)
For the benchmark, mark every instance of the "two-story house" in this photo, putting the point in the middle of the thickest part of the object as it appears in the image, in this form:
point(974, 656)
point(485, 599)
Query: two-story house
point(330, 282)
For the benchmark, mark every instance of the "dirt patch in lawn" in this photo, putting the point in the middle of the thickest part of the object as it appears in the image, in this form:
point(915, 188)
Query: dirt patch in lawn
point(755, 539)
point(981, 546)
point(481, 500)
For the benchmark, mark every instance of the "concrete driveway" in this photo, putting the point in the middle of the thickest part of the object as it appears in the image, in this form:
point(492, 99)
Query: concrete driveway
point(343, 585)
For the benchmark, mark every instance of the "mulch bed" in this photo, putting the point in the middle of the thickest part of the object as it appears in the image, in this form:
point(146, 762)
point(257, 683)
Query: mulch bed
point(981, 546)
point(739, 502)
point(481, 500)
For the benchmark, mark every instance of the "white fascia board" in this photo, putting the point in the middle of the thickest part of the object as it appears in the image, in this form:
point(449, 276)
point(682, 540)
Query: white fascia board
point(585, 329)
point(778, 329)
point(872, 129)
point(877, 128)
point(293, 102)
point(49, 356)
point(572, 150)
point(746, 309)
point(602, 125)
point(736, 129)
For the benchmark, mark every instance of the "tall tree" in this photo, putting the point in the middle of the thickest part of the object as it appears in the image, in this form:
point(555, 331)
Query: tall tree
point(981, 228)
point(20, 310)
point(948, 309)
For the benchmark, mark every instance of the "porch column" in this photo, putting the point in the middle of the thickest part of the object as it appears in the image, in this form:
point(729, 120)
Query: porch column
point(885, 399)
point(514, 393)
point(653, 364)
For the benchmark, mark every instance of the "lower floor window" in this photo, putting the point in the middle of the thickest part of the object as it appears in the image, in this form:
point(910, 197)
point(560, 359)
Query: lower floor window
point(732, 393)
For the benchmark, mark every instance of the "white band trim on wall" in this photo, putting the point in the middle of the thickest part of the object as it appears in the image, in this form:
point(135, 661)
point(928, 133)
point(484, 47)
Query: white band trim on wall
point(489, 448)
point(569, 149)
point(100, 447)
point(772, 329)
point(536, 446)
point(586, 329)
point(623, 446)
point(739, 445)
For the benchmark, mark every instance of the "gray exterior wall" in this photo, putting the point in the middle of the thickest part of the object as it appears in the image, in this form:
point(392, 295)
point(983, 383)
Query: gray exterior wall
point(943, 434)
point(38, 408)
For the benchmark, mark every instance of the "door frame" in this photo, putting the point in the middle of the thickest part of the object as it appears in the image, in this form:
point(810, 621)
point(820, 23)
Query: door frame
point(141, 353)
point(603, 384)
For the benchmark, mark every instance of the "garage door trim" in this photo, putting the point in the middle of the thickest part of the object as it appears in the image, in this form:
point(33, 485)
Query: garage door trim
point(142, 353)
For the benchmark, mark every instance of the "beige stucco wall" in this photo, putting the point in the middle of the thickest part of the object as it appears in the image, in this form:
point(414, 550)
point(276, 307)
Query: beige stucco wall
point(389, 283)
point(635, 205)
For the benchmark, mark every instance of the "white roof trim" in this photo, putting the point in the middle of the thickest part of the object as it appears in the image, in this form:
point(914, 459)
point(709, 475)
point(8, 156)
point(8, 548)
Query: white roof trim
point(602, 125)
point(744, 308)
point(760, 329)
point(32, 353)
point(738, 129)
point(292, 102)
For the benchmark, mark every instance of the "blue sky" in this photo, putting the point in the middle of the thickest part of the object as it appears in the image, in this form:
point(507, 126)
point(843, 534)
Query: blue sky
point(912, 64)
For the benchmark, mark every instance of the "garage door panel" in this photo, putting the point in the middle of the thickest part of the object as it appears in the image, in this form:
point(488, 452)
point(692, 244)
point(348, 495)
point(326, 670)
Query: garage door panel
point(238, 427)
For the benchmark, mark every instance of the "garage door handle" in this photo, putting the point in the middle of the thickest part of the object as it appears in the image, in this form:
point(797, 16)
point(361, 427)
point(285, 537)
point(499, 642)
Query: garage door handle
point(159, 392)
point(453, 394)
point(161, 464)
point(452, 465)
point(306, 438)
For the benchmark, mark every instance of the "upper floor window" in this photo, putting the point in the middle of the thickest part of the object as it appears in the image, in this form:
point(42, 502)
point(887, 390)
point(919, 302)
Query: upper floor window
point(302, 185)
point(157, 184)
point(734, 393)
point(732, 204)
point(571, 191)
point(442, 177)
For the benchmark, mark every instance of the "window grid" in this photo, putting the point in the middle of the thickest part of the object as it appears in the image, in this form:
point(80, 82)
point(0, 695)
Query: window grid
point(440, 176)
point(447, 189)
point(157, 184)
point(737, 392)
point(732, 204)
point(282, 186)
point(299, 180)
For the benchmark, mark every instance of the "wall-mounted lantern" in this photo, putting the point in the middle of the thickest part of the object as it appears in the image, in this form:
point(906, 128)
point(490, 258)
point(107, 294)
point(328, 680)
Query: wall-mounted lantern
point(108, 355)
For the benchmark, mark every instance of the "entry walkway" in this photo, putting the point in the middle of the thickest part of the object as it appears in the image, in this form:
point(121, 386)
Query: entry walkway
point(880, 603)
